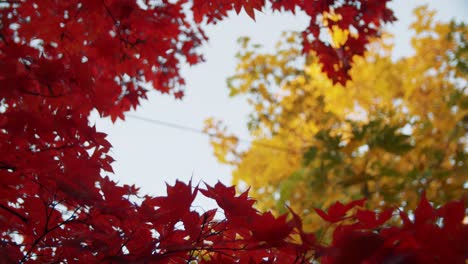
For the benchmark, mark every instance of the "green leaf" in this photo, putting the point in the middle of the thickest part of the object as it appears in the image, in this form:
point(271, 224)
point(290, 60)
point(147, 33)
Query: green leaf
point(309, 155)
point(287, 187)
point(390, 140)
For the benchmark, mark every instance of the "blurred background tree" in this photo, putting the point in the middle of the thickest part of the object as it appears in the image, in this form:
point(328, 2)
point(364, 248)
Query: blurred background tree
point(398, 128)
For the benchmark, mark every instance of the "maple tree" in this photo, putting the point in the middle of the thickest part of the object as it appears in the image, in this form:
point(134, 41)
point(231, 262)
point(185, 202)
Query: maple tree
point(61, 60)
point(396, 129)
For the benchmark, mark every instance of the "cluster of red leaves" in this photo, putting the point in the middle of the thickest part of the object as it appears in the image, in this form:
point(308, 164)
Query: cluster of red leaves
point(94, 54)
point(60, 60)
point(433, 236)
point(113, 229)
point(363, 17)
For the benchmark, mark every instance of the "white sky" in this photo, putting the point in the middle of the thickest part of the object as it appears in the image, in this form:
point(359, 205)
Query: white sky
point(149, 155)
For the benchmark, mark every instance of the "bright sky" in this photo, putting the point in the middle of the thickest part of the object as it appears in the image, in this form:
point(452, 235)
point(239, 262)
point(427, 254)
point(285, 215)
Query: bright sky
point(149, 155)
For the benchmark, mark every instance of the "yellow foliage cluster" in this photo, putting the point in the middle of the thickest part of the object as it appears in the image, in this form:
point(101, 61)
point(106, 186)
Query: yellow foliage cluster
point(398, 128)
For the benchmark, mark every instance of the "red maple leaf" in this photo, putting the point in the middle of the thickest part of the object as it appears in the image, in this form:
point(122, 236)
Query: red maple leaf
point(266, 227)
point(179, 95)
point(337, 211)
point(370, 219)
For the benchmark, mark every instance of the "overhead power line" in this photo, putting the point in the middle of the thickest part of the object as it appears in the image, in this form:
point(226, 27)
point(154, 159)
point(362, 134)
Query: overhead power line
point(202, 132)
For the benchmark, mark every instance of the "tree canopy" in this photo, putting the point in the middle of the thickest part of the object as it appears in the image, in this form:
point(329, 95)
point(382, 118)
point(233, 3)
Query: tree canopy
point(398, 127)
point(61, 60)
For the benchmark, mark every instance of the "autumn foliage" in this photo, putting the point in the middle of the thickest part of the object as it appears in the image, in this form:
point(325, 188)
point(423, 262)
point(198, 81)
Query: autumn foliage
point(61, 60)
point(364, 237)
point(398, 128)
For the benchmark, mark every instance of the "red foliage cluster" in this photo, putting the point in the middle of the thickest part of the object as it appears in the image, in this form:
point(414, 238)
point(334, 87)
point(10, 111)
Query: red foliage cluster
point(60, 60)
point(152, 230)
point(433, 236)
point(364, 17)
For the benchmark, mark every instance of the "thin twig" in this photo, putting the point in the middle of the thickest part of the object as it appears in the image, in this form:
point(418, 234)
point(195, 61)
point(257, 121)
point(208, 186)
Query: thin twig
point(23, 218)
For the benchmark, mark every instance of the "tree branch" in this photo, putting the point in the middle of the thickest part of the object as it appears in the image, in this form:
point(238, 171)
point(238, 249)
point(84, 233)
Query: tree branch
point(8, 209)
point(46, 232)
